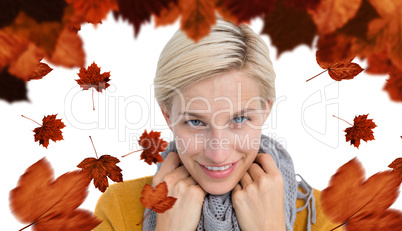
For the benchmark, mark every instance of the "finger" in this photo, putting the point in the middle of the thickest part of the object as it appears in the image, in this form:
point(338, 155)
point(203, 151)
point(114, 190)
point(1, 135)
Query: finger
point(246, 180)
point(170, 163)
point(267, 163)
point(237, 188)
point(255, 171)
point(176, 175)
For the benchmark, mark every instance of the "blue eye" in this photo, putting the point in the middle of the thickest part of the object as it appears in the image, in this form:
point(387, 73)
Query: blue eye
point(197, 124)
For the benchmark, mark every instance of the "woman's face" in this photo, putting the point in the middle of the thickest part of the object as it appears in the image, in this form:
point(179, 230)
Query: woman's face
point(210, 129)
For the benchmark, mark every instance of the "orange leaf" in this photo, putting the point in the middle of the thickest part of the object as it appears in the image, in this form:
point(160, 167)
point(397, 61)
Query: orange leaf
point(379, 63)
point(50, 129)
point(157, 198)
point(296, 27)
point(394, 85)
point(397, 166)
point(197, 17)
point(12, 46)
point(92, 77)
point(152, 146)
point(361, 129)
point(41, 70)
point(167, 15)
point(350, 200)
point(100, 169)
point(94, 11)
point(25, 65)
point(42, 201)
point(330, 15)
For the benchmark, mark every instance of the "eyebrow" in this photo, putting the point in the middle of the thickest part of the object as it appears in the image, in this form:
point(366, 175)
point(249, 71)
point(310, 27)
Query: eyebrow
point(202, 116)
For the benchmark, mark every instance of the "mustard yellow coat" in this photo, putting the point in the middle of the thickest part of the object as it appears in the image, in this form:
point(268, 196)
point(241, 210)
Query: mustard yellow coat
point(120, 208)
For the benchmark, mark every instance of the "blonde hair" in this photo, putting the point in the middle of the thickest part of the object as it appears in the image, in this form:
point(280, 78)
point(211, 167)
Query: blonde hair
point(228, 47)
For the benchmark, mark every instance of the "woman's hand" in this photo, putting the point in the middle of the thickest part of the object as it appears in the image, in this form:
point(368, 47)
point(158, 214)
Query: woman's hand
point(259, 198)
point(186, 212)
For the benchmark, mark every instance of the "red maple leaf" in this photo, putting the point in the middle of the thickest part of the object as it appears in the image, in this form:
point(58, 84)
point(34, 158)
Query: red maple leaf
point(100, 169)
point(152, 146)
point(92, 77)
point(357, 203)
point(397, 166)
point(156, 199)
point(361, 129)
point(48, 204)
point(50, 129)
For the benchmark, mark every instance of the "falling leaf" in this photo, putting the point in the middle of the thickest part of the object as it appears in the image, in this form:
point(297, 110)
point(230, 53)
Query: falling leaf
point(390, 220)
point(100, 169)
point(12, 88)
point(41, 70)
point(25, 65)
point(156, 199)
point(394, 85)
point(94, 11)
point(330, 15)
point(167, 15)
point(358, 25)
point(379, 64)
point(397, 166)
point(92, 77)
point(350, 200)
point(361, 129)
point(45, 203)
point(244, 11)
point(50, 129)
point(138, 12)
point(12, 46)
point(152, 146)
point(296, 27)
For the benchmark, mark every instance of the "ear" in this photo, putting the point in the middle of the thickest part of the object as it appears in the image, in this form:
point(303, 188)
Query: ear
point(166, 115)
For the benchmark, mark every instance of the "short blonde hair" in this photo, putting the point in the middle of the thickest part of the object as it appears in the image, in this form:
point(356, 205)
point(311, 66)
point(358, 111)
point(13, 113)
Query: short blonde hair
point(228, 47)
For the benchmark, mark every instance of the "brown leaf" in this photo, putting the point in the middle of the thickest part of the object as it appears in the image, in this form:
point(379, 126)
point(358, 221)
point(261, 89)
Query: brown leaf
point(397, 166)
point(350, 200)
point(390, 219)
point(342, 71)
point(138, 12)
point(100, 169)
point(93, 11)
point(40, 200)
point(361, 129)
point(92, 77)
point(50, 129)
point(41, 70)
point(243, 11)
point(12, 88)
point(152, 146)
point(157, 199)
point(330, 15)
point(197, 17)
point(167, 15)
point(12, 46)
point(25, 65)
point(394, 85)
point(379, 63)
point(295, 28)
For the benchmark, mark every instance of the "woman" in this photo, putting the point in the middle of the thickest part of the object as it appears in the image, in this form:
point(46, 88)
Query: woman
point(215, 95)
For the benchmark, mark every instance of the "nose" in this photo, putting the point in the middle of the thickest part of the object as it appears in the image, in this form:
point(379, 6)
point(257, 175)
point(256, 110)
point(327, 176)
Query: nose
point(218, 146)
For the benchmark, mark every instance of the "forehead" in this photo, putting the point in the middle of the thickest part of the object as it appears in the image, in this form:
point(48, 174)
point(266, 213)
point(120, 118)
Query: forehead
point(227, 90)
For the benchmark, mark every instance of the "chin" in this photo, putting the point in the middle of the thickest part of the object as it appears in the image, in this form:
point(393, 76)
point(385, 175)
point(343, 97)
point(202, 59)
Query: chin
point(218, 190)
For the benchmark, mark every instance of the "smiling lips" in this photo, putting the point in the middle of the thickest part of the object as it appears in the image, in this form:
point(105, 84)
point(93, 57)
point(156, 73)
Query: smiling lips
point(219, 172)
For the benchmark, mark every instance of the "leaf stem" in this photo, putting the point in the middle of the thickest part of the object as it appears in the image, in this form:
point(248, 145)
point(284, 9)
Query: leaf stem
point(93, 104)
point(144, 217)
point(343, 120)
point(316, 75)
point(31, 119)
point(94, 147)
point(132, 152)
point(27, 226)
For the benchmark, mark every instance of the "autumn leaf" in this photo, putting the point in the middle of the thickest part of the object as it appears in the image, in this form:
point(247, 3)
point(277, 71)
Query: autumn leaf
point(361, 129)
point(50, 129)
point(99, 169)
point(152, 147)
point(397, 166)
point(45, 203)
point(330, 15)
point(167, 15)
point(138, 12)
point(394, 85)
point(295, 28)
point(379, 63)
point(351, 200)
point(25, 65)
point(244, 11)
point(12, 88)
point(92, 77)
point(94, 11)
point(41, 70)
point(156, 199)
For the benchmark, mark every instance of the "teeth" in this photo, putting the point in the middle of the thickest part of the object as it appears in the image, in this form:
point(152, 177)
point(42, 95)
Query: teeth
point(218, 168)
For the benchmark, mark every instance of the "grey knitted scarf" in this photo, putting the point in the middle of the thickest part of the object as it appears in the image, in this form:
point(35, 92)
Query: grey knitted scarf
point(217, 211)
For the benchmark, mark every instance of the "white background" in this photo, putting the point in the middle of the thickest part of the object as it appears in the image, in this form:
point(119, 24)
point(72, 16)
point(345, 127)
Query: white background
point(301, 118)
